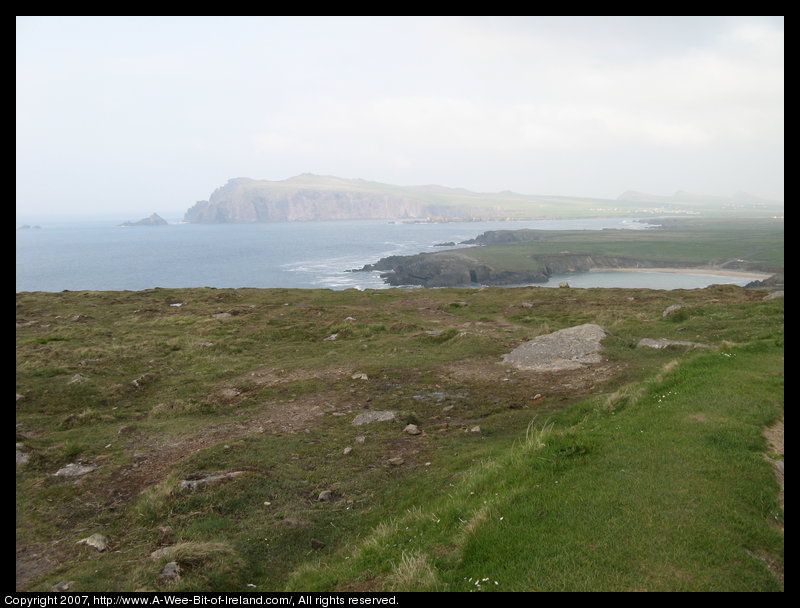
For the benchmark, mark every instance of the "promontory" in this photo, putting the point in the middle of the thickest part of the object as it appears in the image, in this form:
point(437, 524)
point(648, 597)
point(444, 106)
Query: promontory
point(309, 197)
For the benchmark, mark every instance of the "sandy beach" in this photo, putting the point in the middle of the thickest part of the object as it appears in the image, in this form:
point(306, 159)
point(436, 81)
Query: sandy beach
point(711, 271)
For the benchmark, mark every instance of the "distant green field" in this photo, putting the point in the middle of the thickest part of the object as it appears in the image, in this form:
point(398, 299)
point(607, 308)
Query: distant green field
point(752, 244)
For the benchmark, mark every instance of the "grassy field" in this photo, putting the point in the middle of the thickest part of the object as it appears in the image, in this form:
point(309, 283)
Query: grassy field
point(732, 244)
point(646, 472)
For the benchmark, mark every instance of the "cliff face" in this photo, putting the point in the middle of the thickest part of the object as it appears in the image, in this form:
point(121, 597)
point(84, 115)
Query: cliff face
point(456, 269)
point(305, 198)
point(448, 269)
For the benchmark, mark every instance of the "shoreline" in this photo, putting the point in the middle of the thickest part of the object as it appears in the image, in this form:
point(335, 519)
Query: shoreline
point(710, 271)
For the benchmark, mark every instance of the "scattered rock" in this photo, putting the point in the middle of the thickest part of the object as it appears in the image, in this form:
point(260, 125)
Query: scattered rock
point(138, 383)
point(347, 450)
point(19, 397)
point(171, 571)
point(162, 552)
point(661, 343)
point(475, 429)
point(62, 586)
point(206, 344)
point(98, 541)
point(222, 315)
point(361, 439)
point(773, 295)
point(331, 337)
point(326, 496)
point(566, 349)
point(412, 429)
point(194, 483)
point(359, 376)
point(74, 469)
point(77, 379)
point(397, 461)
point(369, 417)
point(22, 457)
point(670, 310)
point(563, 284)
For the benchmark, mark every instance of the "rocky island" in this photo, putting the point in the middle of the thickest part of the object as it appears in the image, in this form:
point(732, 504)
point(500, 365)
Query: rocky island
point(151, 220)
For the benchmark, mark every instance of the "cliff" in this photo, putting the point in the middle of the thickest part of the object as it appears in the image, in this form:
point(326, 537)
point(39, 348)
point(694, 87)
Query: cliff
point(312, 197)
point(459, 269)
point(448, 269)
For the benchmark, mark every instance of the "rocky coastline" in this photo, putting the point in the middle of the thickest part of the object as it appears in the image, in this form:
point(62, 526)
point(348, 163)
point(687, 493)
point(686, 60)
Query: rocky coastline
point(459, 269)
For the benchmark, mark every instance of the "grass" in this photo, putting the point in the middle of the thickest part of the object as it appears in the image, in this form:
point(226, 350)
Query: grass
point(648, 474)
point(733, 244)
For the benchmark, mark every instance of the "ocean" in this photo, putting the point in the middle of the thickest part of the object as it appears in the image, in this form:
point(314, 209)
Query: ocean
point(99, 256)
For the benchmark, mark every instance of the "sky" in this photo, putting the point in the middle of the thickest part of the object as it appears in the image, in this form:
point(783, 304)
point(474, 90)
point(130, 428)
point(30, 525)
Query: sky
point(135, 115)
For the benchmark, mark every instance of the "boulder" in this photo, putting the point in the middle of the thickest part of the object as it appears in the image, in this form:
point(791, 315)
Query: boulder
point(369, 417)
point(566, 349)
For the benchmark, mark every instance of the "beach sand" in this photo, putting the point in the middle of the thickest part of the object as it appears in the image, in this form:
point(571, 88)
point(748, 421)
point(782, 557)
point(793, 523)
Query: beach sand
point(711, 271)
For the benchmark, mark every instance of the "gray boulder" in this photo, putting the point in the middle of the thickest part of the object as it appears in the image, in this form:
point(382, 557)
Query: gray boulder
point(566, 349)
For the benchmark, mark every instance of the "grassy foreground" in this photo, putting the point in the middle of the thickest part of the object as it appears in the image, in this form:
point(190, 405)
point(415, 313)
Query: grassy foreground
point(647, 472)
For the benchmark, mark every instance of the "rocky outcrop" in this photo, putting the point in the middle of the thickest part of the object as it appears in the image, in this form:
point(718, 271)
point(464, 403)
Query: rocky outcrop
point(459, 269)
point(448, 269)
point(499, 237)
point(151, 220)
point(563, 350)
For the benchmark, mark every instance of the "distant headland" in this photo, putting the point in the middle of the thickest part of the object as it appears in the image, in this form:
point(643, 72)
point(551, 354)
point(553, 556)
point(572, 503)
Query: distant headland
point(309, 197)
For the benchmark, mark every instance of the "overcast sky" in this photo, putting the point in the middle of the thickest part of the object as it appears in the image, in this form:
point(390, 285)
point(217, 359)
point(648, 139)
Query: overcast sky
point(150, 114)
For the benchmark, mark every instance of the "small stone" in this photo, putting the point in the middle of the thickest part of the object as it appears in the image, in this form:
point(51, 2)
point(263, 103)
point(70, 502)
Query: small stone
point(77, 379)
point(62, 586)
point(368, 417)
point(98, 541)
point(331, 337)
point(475, 429)
point(412, 429)
point(671, 309)
point(171, 570)
point(162, 552)
point(359, 376)
point(222, 315)
point(361, 439)
point(347, 450)
point(397, 461)
point(74, 470)
point(325, 496)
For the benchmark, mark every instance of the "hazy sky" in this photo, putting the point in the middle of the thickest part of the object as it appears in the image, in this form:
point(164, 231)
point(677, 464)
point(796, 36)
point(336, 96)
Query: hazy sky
point(150, 114)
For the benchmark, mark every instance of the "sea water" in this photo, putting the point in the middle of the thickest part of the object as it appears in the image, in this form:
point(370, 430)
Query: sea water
point(97, 255)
